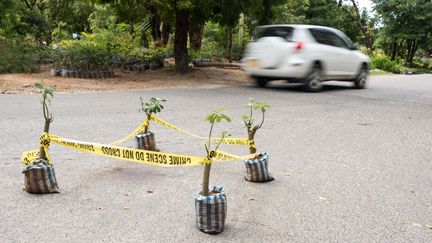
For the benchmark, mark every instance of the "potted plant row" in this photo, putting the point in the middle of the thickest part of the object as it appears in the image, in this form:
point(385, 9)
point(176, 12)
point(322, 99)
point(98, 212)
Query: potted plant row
point(79, 61)
point(142, 60)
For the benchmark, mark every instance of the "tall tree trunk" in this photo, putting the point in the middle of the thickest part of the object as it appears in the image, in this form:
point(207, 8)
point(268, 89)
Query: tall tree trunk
point(408, 55)
point(394, 49)
point(267, 13)
point(166, 30)
point(229, 43)
point(195, 36)
point(412, 49)
point(363, 28)
point(180, 42)
point(241, 23)
point(155, 25)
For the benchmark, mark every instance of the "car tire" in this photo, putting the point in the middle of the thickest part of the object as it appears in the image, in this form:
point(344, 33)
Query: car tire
point(361, 79)
point(313, 81)
point(262, 82)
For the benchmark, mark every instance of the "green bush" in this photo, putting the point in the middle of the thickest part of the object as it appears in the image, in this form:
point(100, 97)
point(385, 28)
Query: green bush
point(16, 58)
point(384, 63)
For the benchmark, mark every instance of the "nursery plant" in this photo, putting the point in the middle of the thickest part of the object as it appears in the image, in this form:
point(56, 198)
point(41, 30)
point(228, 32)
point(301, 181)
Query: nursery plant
point(47, 94)
point(210, 203)
point(256, 169)
point(39, 174)
point(146, 139)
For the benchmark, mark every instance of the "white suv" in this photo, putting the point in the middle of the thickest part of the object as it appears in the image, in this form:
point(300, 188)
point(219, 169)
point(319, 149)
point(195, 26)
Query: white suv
point(305, 54)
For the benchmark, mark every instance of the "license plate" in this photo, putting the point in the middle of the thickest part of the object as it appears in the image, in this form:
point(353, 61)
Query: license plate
point(253, 63)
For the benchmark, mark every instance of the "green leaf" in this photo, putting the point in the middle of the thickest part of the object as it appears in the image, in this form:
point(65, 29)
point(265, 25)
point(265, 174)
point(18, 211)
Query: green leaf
point(47, 91)
point(38, 86)
point(153, 106)
point(251, 102)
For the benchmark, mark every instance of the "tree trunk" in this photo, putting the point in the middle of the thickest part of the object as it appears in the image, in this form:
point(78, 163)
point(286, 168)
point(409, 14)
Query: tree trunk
point(206, 179)
point(155, 25)
point(412, 49)
point(394, 49)
point(241, 23)
point(363, 28)
point(408, 55)
point(251, 136)
point(166, 30)
point(195, 37)
point(180, 42)
point(42, 154)
point(266, 13)
point(229, 43)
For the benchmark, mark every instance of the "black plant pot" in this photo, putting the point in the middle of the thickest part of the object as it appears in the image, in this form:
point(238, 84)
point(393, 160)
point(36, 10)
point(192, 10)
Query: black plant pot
point(257, 169)
point(64, 73)
point(211, 211)
point(154, 66)
point(54, 72)
point(146, 141)
point(39, 178)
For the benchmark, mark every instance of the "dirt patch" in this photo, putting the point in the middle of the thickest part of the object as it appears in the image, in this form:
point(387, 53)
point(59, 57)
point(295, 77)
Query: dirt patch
point(126, 80)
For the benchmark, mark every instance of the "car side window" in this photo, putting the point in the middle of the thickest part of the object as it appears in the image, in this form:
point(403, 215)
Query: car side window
point(320, 36)
point(329, 38)
point(338, 41)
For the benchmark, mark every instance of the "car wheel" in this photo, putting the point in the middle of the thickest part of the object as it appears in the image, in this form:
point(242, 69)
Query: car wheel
point(361, 79)
point(262, 82)
point(313, 80)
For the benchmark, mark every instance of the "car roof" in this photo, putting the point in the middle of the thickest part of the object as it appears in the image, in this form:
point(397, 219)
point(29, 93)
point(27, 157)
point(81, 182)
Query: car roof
point(298, 26)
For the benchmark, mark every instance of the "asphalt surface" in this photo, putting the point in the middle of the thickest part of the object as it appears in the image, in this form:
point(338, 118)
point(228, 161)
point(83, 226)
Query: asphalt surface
point(350, 166)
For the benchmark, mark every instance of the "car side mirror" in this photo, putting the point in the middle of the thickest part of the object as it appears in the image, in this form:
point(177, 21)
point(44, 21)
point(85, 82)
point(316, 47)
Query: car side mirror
point(353, 48)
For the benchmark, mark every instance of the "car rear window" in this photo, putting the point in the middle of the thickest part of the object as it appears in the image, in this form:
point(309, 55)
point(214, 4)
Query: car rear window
point(278, 31)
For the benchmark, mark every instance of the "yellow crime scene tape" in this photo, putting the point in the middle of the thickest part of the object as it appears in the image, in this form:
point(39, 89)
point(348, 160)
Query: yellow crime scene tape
point(28, 156)
point(231, 141)
point(142, 126)
point(130, 154)
point(133, 134)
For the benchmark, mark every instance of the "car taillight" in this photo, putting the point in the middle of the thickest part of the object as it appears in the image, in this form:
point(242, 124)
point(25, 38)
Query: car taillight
point(298, 46)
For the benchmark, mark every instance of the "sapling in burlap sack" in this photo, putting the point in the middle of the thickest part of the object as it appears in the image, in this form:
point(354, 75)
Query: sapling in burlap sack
point(256, 169)
point(39, 175)
point(146, 139)
point(210, 203)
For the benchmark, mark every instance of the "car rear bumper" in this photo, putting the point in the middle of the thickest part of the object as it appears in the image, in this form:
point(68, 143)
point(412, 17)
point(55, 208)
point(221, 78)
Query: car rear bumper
point(294, 69)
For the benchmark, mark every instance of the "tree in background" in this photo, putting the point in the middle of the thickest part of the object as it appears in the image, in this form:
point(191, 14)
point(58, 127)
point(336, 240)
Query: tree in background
point(408, 25)
point(354, 14)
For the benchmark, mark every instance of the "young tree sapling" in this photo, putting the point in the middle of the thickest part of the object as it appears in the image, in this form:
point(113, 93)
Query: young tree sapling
point(213, 117)
point(249, 120)
point(47, 94)
point(146, 139)
point(151, 107)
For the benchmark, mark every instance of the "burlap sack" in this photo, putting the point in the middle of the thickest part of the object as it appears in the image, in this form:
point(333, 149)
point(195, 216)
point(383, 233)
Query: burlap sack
point(257, 169)
point(211, 211)
point(146, 141)
point(39, 177)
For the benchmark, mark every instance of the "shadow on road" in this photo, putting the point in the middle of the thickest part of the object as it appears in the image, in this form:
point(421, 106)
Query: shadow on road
point(327, 87)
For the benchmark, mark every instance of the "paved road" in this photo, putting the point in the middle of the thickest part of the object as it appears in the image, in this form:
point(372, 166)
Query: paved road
point(350, 166)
